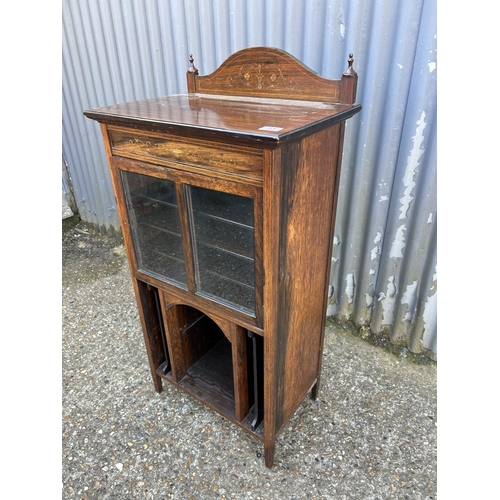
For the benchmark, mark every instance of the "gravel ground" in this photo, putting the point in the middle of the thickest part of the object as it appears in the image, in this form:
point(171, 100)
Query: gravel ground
point(370, 435)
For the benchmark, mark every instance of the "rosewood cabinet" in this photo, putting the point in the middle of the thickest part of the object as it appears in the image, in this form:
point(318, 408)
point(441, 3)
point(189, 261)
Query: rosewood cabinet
point(227, 198)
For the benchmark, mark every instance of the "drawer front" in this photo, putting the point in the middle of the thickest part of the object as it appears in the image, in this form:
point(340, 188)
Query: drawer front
point(155, 148)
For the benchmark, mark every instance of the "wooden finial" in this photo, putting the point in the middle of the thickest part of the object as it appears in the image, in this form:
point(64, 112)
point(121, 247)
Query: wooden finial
point(350, 70)
point(191, 75)
point(349, 82)
point(192, 67)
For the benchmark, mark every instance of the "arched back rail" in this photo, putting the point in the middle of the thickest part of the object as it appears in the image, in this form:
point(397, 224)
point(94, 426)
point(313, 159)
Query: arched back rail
point(272, 73)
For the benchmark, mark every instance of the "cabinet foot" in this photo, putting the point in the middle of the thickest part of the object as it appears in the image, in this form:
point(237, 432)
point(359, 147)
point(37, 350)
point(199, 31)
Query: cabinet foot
point(157, 383)
point(269, 455)
point(315, 390)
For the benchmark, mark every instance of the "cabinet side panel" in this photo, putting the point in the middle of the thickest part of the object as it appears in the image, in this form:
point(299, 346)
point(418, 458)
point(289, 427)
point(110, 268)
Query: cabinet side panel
point(307, 203)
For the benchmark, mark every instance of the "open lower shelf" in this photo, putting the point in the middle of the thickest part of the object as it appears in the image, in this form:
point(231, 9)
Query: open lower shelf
point(210, 381)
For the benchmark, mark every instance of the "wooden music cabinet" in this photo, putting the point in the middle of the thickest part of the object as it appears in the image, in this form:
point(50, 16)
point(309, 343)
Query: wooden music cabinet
point(227, 199)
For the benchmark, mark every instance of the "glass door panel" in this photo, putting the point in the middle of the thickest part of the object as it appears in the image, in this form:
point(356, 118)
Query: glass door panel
point(155, 226)
point(223, 246)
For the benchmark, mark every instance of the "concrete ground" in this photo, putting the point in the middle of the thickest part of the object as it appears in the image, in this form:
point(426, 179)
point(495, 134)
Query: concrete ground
point(370, 435)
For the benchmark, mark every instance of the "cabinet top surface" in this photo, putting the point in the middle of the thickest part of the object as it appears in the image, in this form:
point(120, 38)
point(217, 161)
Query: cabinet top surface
point(266, 120)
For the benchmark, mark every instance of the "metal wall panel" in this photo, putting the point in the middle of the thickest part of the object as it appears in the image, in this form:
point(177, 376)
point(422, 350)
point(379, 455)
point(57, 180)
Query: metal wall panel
point(384, 260)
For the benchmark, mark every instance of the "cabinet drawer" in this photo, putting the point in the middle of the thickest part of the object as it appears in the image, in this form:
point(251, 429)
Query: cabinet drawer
point(158, 148)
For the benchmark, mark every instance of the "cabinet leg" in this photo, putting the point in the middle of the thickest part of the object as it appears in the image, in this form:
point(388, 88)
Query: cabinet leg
point(269, 454)
point(315, 390)
point(151, 329)
point(157, 382)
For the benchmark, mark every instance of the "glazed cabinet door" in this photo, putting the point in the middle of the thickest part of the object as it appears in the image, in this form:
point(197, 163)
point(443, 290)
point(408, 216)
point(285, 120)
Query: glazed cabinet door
point(223, 235)
point(197, 234)
point(155, 226)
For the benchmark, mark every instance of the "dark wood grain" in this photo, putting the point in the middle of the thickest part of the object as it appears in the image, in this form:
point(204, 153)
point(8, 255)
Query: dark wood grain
point(338, 162)
point(150, 319)
point(188, 154)
point(266, 72)
point(187, 244)
point(240, 370)
point(225, 118)
point(217, 183)
point(304, 252)
point(349, 83)
point(192, 72)
point(174, 319)
point(199, 389)
point(196, 347)
point(265, 127)
point(273, 171)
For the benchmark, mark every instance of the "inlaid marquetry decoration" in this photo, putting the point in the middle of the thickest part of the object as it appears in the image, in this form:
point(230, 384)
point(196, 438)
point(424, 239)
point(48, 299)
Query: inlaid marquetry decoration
point(218, 193)
point(153, 147)
point(260, 76)
point(267, 72)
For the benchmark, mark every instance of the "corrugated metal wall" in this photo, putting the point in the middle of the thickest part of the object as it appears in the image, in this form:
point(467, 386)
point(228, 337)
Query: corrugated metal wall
point(384, 268)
